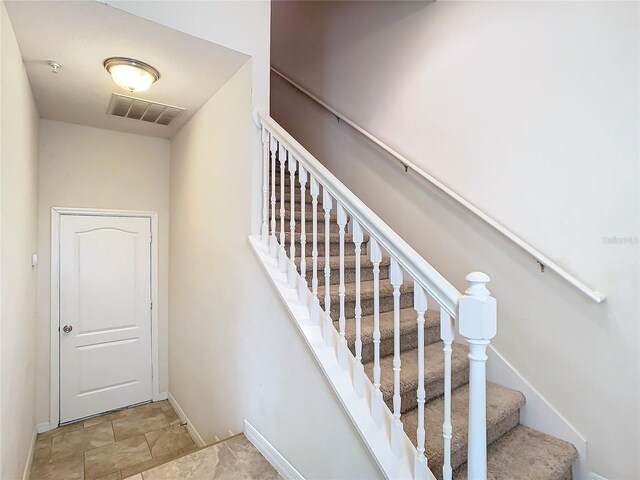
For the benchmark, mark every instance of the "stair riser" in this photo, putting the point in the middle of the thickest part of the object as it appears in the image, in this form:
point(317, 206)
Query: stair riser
point(307, 198)
point(333, 228)
point(408, 341)
point(366, 274)
point(386, 305)
point(334, 247)
point(308, 209)
point(459, 456)
point(287, 183)
point(409, 399)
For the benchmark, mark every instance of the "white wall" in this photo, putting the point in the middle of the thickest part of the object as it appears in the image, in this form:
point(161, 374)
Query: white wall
point(530, 111)
point(240, 25)
point(228, 330)
point(94, 168)
point(18, 227)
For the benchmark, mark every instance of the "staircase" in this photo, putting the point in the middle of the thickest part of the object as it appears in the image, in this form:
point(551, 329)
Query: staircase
point(408, 352)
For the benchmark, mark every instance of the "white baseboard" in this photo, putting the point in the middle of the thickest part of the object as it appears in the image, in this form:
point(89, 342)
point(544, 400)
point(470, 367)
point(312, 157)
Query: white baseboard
point(595, 476)
point(537, 412)
point(268, 451)
point(43, 427)
point(32, 447)
point(192, 430)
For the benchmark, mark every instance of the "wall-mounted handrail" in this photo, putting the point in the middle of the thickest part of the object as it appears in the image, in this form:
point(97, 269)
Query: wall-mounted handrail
point(544, 261)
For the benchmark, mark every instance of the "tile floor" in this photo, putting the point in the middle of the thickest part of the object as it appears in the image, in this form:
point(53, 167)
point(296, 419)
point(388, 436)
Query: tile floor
point(232, 459)
point(113, 446)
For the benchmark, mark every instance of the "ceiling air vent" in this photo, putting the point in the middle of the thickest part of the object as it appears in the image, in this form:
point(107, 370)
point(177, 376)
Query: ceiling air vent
point(139, 109)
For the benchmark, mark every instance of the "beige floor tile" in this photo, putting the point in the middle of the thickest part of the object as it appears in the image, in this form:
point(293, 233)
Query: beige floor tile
point(195, 466)
point(107, 417)
point(164, 404)
point(42, 442)
point(144, 466)
point(139, 424)
point(58, 453)
point(172, 416)
point(113, 476)
point(69, 468)
point(169, 440)
point(190, 449)
point(232, 459)
point(61, 431)
point(117, 456)
point(82, 440)
point(41, 454)
point(243, 461)
point(145, 410)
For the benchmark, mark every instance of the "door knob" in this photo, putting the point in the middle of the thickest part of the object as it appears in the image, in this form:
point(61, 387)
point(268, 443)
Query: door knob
point(67, 328)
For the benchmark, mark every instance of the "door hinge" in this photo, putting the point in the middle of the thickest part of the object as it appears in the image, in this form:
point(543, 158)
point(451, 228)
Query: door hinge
point(151, 304)
point(151, 238)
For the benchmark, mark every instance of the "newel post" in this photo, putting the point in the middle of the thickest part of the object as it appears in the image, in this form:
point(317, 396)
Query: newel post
point(478, 324)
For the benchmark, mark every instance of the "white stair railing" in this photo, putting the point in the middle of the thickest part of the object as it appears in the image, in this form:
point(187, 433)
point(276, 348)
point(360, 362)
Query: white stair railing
point(474, 312)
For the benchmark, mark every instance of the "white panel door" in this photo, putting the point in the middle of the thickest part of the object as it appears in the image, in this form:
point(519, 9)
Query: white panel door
point(105, 314)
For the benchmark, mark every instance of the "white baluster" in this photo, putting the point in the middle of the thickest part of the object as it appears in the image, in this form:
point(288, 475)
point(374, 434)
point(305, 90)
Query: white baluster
point(420, 306)
point(478, 324)
point(273, 241)
point(315, 307)
point(293, 272)
point(327, 203)
point(447, 333)
point(342, 347)
point(282, 259)
point(396, 429)
point(265, 185)
point(377, 401)
point(358, 374)
point(303, 290)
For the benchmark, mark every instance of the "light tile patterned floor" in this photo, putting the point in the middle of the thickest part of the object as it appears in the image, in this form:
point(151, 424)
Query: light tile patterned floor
point(232, 459)
point(112, 446)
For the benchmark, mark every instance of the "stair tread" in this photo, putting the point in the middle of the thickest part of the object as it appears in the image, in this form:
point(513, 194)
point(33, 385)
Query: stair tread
point(334, 237)
point(433, 370)
point(526, 454)
point(334, 262)
point(502, 402)
point(366, 290)
point(407, 325)
point(308, 215)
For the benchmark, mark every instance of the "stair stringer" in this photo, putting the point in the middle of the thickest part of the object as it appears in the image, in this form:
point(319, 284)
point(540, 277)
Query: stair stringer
point(376, 439)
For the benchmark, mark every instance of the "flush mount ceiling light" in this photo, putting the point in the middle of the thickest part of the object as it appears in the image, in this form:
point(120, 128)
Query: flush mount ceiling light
point(133, 75)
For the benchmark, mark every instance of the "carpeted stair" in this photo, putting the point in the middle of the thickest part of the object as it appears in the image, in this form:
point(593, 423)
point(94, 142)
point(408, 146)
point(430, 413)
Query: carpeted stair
point(514, 451)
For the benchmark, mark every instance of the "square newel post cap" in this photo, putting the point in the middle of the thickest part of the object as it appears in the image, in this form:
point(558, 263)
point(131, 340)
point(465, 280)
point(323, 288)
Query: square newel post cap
point(478, 309)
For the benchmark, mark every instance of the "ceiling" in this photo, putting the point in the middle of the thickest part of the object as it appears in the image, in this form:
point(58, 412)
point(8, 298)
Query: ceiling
point(81, 34)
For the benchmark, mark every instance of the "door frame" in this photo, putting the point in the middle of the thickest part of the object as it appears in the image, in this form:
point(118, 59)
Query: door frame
point(56, 215)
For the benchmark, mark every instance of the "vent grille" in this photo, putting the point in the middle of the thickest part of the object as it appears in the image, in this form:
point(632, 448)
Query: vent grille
point(139, 109)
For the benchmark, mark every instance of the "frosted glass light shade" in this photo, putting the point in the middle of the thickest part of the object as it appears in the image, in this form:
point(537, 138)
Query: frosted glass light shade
point(130, 74)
